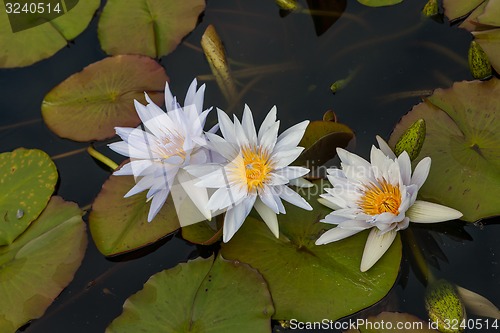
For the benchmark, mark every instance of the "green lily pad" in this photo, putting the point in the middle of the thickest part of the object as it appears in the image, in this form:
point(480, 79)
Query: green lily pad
point(38, 265)
point(463, 142)
point(23, 48)
point(89, 104)
point(119, 224)
point(455, 9)
point(204, 233)
point(154, 27)
point(202, 295)
point(320, 140)
point(27, 178)
point(310, 282)
point(379, 3)
point(482, 20)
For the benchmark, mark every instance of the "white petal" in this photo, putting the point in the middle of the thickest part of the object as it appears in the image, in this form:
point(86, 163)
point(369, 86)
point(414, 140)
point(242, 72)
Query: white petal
point(276, 179)
point(421, 172)
point(269, 138)
point(198, 195)
point(235, 217)
point(385, 147)
point(334, 235)
point(169, 99)
point(404, 167)
point(248, 125)
point(226, 126)
point(354, 225)
point(191, 94)
point(292, 172)
point(300, 182)
point(221, 146)
point(284, 158)
point(268, 216)
point(349, 158)
point(267, 123)
point(428, 212)
point(267, 198)
point(291, 137)
point(335, 201)
point(376, 245)
point(156, 204)
point(293, 197)
point(328, 203)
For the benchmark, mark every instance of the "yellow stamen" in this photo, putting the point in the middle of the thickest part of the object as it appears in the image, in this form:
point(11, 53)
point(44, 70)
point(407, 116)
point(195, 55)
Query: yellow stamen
point(257, 167)
point(380, 198)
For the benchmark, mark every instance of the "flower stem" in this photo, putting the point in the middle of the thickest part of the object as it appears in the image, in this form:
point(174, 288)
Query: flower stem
point(418, 256)
point(101, 158)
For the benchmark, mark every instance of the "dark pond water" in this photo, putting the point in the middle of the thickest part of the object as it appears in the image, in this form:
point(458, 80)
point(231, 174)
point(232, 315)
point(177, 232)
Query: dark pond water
point(392, 49)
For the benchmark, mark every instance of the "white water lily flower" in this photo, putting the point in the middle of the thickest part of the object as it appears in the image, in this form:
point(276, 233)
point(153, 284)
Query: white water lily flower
point(164, 144)
point(381, 195)
point(256, 172)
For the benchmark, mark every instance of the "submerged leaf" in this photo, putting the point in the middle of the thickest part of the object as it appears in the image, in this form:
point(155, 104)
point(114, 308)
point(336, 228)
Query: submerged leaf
point(216, 57)
point(463, 141)
point(23, 48)
point(153, 27)
point(201, 296)
point(36, 267)
point(90, 104)
point(477, 304)
point(119, 224)
point(310, 282)
point(28, 178)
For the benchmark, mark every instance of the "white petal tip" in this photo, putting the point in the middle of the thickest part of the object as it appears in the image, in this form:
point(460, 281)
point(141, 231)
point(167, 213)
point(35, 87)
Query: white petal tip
point(376, 245)
point(428, 212)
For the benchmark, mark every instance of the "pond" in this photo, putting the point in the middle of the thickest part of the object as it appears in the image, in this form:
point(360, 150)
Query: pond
point(393, 57)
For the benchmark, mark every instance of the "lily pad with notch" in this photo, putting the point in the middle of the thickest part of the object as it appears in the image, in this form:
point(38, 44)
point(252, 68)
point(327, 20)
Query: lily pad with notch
point(463, 141)
point(310, 282)
point(201, 296)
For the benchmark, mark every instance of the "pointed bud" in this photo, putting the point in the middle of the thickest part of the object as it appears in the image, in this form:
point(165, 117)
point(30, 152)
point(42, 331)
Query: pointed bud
point(412, 140)
point(289, 5)
point(479, 64)
point(443, 305)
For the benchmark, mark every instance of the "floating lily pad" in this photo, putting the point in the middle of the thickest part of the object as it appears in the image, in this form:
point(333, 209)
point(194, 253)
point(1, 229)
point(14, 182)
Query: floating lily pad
point(310, 282)
point(463, 141)
point(120, 224)
point(379, 3)
point(204, 233)
point(39, 264)
point(387, 322)
point(27, 178)
point(320, 140)
point(23, 48)
point(154, 27)
point(482, 18)
point(90, 104)
point(199, 296)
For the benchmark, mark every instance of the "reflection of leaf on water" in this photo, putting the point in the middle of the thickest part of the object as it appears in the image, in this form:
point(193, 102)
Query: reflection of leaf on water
point(310, 282)
point(463, 140)
point(325, 13)
point(202, 295)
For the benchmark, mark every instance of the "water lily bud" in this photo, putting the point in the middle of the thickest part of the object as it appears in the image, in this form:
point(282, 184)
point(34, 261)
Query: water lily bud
point(287, 4)
point(412, 140)
point(431, 8)
point(479, 64)
point(444, 306)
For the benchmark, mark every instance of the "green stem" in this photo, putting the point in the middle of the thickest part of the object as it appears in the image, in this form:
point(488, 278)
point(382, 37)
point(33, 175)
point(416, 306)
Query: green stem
point(101, 158)
point(419, 257)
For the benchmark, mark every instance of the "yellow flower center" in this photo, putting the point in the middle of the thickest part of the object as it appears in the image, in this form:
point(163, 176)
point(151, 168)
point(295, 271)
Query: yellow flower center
point(381, 198)
point(257, 167)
